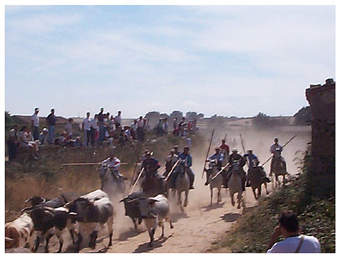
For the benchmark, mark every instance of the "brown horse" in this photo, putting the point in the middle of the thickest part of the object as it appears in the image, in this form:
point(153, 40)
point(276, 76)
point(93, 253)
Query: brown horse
point(257, 178)
point(153, 184)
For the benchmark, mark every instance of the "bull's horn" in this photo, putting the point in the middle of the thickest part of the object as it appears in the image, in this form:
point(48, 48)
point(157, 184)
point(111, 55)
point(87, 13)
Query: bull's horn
point(28, 209)
point(122, 200)
point(28, 200)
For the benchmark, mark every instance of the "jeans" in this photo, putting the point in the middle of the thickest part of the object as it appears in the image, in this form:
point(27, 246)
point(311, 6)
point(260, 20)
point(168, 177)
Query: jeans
point(35, 132)
point(51, 130)
point(101, 131)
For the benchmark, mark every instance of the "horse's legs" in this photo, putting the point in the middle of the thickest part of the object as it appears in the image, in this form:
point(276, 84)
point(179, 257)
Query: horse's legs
point(283, 179)
point(186, 198)
point(253, 189)
point(259, 191)
point(219, 197)
point(232, 198)
point(211, 195)
point(179, 200)
point(265, 185)
point(239, 197)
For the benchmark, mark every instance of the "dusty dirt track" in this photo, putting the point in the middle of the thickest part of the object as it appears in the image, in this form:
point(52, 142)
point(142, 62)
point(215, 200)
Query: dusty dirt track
point(193, 231)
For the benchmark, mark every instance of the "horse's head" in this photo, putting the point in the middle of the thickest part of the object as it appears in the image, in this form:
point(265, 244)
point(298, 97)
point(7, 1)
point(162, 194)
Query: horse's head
point(213, 163)
point(181, 166)
point(236, 166)
point(102, 171)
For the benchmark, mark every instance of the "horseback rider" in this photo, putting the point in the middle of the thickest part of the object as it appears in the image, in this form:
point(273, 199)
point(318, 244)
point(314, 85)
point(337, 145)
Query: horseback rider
point(150, 165)
point(242, 161)
point(276, 147)
point(253, 162)
point(218, 157)
point(224, 147)
point(185, 156)
point(169, 162)
point(113, 163)
point(176, 151)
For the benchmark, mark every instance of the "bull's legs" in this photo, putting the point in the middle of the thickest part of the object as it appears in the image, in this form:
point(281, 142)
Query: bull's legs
point(47, 241)
point(61, 241)
point(93, 239)
point(151, 235)
point(161, 224)
point(110, 229)
point(186, 198)
point(80, 239)
point(134, 220)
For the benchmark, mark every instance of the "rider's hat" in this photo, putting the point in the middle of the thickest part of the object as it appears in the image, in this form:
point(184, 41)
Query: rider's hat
point(148, 153)
point(217, 149)
point(234, 150)
point(175, 146)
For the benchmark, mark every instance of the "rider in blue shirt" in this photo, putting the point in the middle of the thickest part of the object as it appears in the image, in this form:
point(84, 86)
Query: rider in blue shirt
point(185, 156)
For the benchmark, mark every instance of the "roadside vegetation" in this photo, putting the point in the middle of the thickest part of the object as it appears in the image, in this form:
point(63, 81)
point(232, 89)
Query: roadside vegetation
point(251, 232)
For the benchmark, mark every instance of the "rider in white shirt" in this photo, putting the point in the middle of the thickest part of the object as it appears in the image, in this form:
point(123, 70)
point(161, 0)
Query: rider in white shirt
point(113, 163)
point(276, 147)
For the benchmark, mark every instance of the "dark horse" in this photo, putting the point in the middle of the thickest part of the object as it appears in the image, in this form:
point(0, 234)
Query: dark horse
point(153, 184)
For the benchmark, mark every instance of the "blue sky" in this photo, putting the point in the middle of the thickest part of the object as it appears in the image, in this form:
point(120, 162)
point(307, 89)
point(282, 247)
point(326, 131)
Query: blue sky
point(224, 60)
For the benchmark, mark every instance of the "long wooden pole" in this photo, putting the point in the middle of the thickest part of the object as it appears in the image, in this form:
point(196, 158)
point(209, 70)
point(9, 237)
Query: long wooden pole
point(134, 185)
point(86, 164)
point(172, 169)
point(134, 170)
point(212, 134)
point(244, 150)
point(282, 147)
point(219, 172)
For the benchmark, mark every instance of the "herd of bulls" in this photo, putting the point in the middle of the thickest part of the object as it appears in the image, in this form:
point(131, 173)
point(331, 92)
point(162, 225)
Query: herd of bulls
point(82, 217)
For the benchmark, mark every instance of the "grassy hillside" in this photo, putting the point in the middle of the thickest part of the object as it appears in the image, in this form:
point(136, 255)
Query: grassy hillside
point(252, 232)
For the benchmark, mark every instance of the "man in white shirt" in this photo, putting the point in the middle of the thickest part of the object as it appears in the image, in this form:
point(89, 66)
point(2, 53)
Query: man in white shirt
point(94, 130)
point(35, 124)
point(113, 163)
point(118, 119)
point(294, 242)
point(86, 128)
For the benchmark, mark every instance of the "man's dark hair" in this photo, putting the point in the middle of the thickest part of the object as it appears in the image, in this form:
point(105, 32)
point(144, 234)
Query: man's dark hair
point(289, 221)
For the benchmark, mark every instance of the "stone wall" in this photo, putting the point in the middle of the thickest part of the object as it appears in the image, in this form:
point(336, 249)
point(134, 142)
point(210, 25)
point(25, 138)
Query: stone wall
point(322, 101)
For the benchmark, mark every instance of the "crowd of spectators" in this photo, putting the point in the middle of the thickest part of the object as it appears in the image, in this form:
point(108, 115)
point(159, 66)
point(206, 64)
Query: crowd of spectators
point(102, 128)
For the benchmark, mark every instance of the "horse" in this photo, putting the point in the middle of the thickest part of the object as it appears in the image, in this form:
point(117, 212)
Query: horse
point(216, 182)
point(182, 184)
point(111, 184)
point(235, 184)
point(278, 168)
point(256, 178)
point(152, 185)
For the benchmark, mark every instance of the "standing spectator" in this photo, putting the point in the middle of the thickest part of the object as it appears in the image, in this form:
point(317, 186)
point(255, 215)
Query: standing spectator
point(13, 142)
point(140, 129)
point(86, 128)
point(43, 136)
point(94, 129)
point(133, 130)
point(68, 127)
point(101, 117)
point(111, 124)
point(107, 125)
point(175, 124)
point(294, 242)
point(35, 124)
point(118, 119)
point(165, 126)
point(51, 120)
